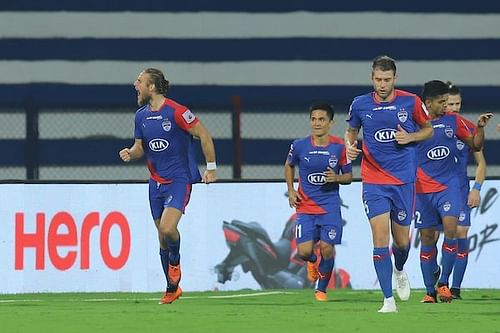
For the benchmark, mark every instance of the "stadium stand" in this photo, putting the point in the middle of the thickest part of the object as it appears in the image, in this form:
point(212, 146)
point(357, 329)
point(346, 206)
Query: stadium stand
point(68, 67)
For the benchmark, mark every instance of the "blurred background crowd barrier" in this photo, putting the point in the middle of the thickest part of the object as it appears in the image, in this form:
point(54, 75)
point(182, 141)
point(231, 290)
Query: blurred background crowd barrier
point(248, 70)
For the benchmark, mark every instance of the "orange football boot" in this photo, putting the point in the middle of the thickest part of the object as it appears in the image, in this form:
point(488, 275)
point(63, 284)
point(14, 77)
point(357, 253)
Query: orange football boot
point(428, 299)
point(169, 297)
point(320, 296)
point(444, 294)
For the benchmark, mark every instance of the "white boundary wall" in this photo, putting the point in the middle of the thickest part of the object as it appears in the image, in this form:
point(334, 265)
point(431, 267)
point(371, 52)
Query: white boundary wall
point(111, 243)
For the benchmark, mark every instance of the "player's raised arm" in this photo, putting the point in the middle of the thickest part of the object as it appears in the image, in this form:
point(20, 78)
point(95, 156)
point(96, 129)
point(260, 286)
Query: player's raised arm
point(403, 137)
point(482, 121)
point(133, 153)
point(476, 141)
point(351, 143)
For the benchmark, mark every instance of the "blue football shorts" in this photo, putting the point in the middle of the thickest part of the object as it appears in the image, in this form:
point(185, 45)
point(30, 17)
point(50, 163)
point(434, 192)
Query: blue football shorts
point(326, 227)
point(398, 200)
point(161, 196)
point(432, 207)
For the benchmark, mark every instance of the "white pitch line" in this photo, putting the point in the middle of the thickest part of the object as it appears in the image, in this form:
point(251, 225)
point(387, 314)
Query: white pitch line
point(252, 295)
point(266, 293)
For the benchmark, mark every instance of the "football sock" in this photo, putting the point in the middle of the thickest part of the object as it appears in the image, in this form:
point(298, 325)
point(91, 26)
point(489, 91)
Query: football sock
point(460, 262)
point(400, 256)
point(449, 253)
point(174, 255)
point(427, 260)
point(164, 261)
point(434, 262)
point(325, 272)
point(383, 267)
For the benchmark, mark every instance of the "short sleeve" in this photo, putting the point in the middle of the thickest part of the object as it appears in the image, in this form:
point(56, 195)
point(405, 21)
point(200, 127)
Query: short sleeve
point(463, 131)
point(420, 113)
point(292, 156)
point(353, 118)
point(185, 118)
point(138, 126)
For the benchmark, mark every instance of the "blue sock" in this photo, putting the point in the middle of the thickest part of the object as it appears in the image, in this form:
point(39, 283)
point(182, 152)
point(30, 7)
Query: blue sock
point(428, 266)
point(164, 261)
point(383, 267)
point(434, 262)
point(449, 253)
point(400, 256)
point(325, 272)
point(460, 262)
point(174, 255)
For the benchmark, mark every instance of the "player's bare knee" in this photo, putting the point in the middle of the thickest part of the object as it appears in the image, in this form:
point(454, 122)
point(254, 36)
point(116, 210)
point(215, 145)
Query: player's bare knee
point(327, 251)
point(427, 237)
point(168, 232)
point(304, 252)
point(462, 232)
point(451, 233)
point(402, 243)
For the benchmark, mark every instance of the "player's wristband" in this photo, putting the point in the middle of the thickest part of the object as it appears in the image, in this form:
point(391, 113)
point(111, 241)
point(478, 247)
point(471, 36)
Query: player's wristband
point(476, 186)
point(211, 166)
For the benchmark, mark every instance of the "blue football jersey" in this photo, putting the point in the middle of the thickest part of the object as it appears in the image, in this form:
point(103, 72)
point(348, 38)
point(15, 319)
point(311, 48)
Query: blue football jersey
point(384, 160)
point(318, 196)
point(437, 161)
point(167, 144)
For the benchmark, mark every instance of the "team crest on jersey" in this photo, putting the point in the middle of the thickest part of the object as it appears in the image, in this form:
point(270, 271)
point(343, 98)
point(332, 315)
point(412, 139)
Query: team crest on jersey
point(188, 116)
point(447, 206)
point(332, 161)
point(332, 234)
point(166, 125)
point(461, 218)
point(460, 145)
point(401, 215)
point(449, 132)
point(402, 115)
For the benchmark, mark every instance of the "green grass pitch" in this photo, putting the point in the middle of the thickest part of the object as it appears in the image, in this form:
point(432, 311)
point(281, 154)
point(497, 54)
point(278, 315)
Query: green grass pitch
point(245, 311)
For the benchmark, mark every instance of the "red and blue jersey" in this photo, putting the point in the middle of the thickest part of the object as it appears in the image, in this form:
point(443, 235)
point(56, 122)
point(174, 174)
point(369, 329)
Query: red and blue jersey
point(437, 161)
point(167, 144)
point(318, 196)
point(384, 160)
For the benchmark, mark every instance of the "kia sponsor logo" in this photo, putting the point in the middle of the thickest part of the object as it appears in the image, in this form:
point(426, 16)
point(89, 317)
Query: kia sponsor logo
point(385, 135)
point(438, 153)
point(317, 178)
point(158, 145)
